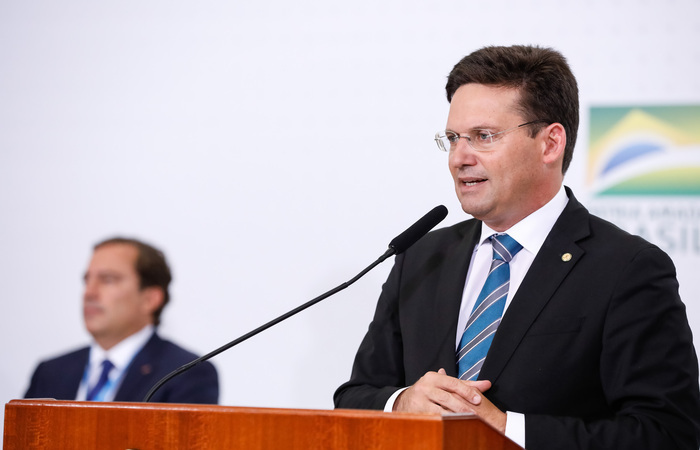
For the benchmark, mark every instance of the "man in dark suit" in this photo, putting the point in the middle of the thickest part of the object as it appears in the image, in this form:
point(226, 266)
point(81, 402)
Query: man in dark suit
point(591, 346)
point(126, 289)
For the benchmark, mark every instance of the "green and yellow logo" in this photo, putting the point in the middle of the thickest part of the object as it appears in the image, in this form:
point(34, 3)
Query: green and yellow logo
point(652, 150)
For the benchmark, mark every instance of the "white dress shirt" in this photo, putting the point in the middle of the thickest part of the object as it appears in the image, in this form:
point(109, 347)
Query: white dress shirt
point(120, 355)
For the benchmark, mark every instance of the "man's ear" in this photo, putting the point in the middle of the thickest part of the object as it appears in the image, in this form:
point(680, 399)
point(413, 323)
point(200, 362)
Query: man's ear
point(154, 297)
point(554, 136)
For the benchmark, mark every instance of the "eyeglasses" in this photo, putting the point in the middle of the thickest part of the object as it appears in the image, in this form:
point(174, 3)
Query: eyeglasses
point(479, 140)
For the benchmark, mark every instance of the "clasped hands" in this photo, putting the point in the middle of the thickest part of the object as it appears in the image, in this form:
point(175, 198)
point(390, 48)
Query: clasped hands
point(438, 393)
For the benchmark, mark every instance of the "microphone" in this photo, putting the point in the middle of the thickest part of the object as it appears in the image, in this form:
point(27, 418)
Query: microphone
point(398, 245)
point(419, 229)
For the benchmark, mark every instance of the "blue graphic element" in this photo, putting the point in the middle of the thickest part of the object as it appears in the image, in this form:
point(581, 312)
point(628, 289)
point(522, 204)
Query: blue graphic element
point(630, 153)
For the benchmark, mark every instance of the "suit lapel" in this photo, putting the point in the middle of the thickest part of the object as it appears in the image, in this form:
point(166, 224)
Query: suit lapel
point(547, 272)
point(69, 384)
point(449, 296)
point(140, 373)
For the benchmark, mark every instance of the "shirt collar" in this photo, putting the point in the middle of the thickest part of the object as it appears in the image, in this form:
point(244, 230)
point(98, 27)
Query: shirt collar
point(121, 354)
point(533, 229)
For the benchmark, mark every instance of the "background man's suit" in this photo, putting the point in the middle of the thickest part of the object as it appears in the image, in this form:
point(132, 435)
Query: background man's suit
point(60, 377)
point(595, 351)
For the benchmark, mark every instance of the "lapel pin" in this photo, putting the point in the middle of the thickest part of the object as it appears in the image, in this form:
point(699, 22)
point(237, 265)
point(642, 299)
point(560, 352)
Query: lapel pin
point(566, 257)
point(145, 369)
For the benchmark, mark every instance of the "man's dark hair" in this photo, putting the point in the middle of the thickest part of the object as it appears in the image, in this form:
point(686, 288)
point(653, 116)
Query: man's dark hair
point(151, 267)
point(548, 89)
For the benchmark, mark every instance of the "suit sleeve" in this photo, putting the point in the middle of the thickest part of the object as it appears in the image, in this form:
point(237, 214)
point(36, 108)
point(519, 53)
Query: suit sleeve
point(378, 367)
point(58, 378)
point(648, 369)
point(34, 385)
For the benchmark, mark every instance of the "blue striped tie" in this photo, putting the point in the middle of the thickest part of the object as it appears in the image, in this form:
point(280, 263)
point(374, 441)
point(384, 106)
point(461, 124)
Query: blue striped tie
point(96, 390)
point(488, 309)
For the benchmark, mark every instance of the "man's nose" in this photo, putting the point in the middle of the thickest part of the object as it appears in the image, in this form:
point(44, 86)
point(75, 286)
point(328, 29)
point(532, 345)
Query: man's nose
point(90, 291)
point(462, 154)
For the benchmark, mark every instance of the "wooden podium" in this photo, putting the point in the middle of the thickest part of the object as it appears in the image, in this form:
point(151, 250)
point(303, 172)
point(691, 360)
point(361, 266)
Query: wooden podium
point(51, 424)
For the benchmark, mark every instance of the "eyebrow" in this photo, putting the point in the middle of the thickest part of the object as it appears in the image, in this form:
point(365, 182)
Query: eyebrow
point(476, 128)
point(104, 273)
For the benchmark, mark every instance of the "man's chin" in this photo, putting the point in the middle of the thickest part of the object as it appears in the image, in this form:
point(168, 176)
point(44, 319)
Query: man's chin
point(93, 325)
point(473, 208)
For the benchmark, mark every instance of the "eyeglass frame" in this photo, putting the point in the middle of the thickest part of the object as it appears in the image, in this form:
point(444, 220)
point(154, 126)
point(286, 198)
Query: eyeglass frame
point(441, 146)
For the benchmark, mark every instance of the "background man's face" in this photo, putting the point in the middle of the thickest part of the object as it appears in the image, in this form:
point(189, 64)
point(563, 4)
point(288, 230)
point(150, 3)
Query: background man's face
point(114, 306)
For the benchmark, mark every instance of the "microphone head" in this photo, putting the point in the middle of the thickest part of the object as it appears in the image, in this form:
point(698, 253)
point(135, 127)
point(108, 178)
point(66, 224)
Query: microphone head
point(403, 241)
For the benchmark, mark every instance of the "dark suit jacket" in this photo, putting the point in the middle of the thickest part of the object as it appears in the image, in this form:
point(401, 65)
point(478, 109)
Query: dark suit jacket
point(60, 377)
point(596, 351)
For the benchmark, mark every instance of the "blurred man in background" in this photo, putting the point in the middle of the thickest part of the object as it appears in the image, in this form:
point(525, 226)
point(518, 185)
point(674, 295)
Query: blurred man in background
point(126, 289)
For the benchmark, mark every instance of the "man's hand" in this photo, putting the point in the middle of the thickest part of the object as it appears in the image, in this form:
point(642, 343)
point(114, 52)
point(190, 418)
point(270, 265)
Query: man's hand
point(438, 393)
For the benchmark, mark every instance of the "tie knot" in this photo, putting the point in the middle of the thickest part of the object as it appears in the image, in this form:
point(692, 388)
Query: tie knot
point(504, 247)
point(107, 366)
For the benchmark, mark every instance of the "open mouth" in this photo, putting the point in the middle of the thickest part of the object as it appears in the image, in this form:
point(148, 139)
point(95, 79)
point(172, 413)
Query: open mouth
point(472, 182)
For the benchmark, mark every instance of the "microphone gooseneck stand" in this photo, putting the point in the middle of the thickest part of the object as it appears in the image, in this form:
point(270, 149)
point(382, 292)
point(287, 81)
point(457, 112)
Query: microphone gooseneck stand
point(397, 246)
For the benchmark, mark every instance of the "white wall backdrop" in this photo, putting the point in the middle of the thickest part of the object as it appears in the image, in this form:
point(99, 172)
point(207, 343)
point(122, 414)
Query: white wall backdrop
point(272, 150)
